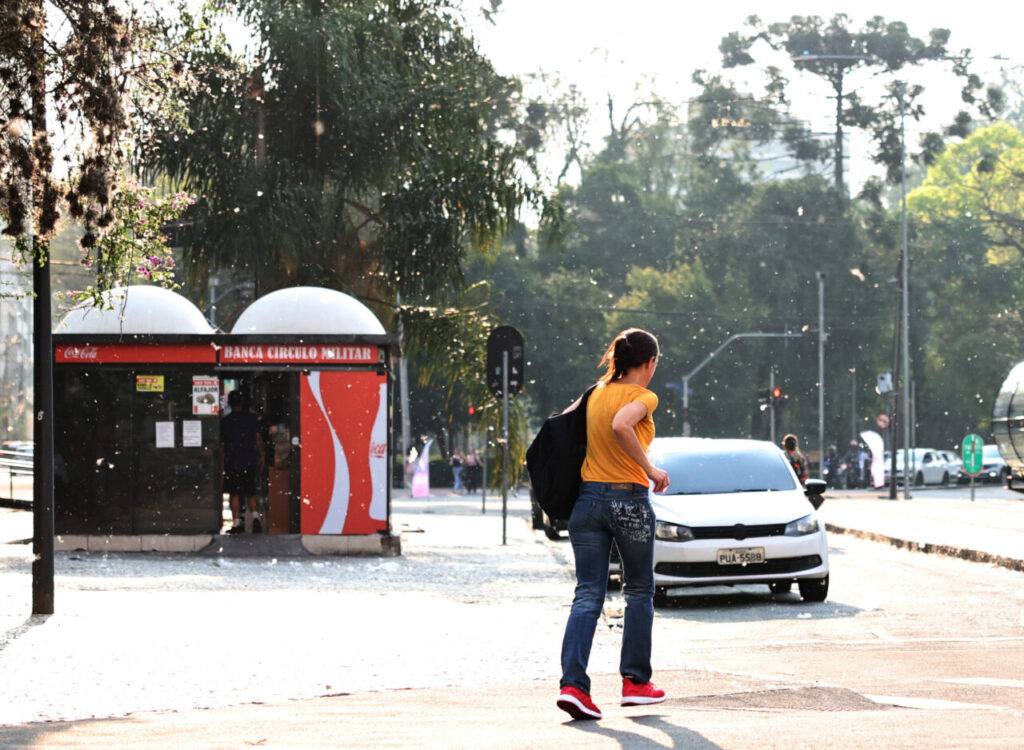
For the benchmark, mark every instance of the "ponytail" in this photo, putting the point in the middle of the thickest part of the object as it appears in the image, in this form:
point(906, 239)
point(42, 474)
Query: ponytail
point(630, 349)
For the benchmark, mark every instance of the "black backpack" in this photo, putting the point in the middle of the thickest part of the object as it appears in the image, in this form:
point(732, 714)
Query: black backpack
point(555, 457)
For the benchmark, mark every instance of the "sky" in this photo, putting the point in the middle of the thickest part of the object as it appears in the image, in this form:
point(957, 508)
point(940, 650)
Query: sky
point(605, 46)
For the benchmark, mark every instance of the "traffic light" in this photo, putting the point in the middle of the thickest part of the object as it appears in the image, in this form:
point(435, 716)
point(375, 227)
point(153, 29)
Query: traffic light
point(776, 394)
point(471, 411)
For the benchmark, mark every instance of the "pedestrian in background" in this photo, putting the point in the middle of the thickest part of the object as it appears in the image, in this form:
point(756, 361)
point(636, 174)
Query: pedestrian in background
point(457, 467)
point(242, 457)
point(614, 505)
point(796, 458)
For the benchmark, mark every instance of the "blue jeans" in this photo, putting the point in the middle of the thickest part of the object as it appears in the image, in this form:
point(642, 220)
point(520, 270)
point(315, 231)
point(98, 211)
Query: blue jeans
point(601, 515)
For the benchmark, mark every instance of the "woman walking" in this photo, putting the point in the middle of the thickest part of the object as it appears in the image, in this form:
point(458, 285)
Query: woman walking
point(613, 505)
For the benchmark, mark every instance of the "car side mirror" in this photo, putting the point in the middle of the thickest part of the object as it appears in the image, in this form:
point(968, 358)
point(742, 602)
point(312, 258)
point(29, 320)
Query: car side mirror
point(815, 491)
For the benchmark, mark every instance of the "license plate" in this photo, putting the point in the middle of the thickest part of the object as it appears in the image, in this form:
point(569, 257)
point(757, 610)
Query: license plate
point(741, 556)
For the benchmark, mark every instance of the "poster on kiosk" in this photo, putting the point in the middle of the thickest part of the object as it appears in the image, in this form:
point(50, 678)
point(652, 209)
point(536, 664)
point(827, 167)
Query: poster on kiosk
point(344, 452)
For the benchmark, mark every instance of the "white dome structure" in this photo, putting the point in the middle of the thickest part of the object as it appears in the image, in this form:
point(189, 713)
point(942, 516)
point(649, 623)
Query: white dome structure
point(308, 310)
point(136, 310)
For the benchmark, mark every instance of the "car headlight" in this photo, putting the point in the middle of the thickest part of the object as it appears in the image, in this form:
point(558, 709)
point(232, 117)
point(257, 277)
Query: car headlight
point(673, 532)
point(803, 526)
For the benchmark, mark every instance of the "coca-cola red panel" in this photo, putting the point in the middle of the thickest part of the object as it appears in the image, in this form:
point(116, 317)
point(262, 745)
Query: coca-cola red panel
point(344, 452)
point(134, 353)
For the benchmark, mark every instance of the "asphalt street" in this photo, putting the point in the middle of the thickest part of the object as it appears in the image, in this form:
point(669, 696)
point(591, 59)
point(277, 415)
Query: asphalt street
point(455, 643)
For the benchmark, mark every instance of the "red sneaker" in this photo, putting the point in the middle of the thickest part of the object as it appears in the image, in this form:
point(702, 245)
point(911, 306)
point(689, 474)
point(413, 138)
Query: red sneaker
point(577, 704)
point(640, 693)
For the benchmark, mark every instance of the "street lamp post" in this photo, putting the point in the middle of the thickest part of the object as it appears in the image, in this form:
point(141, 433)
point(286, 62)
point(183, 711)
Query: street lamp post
point(707, 360)
point(905, 288)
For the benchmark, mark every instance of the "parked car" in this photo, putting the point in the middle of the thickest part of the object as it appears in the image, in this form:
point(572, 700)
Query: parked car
point(954, 466)
point(994, 468)
point(927, 464)
point(541, 520)
point(25, 447)
point(735, 514)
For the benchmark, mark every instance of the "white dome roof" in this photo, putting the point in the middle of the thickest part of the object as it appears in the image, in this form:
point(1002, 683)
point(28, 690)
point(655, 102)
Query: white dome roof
point(309, 310)
point(137, 309)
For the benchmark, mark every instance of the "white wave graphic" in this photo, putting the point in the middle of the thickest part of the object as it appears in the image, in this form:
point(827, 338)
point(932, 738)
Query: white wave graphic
point(337, 511)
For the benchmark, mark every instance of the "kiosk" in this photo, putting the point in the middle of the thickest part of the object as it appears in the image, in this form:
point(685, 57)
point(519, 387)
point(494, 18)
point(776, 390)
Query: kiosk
point(141, 386)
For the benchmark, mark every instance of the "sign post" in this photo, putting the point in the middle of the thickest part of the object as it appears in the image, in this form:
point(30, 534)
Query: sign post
point(971, 454)
point(504, 378)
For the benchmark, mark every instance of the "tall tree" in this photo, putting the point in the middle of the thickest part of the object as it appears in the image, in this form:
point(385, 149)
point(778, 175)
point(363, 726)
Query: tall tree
point(75, 61)
point(832, 50)
point(982, 178)
point(361, 147)
point(969, 219)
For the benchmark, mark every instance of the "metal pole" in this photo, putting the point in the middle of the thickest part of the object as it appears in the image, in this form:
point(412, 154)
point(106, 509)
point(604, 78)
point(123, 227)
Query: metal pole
point(483, 480)
point(905, 283)
point(771, 405)
point(686, 406)
point(42, 406)
point(403, 392)
point(504, 446)
point(821, 368)
point(853, 404)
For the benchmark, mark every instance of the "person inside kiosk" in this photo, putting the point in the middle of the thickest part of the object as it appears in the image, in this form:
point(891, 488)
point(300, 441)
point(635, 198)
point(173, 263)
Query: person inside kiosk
point(242, 452)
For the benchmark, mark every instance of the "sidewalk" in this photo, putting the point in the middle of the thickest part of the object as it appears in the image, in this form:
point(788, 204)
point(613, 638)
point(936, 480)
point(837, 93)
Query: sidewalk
point(339, 652)
point(936, 520)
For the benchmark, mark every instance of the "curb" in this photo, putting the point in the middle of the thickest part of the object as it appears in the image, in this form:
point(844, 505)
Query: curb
point(945, 550)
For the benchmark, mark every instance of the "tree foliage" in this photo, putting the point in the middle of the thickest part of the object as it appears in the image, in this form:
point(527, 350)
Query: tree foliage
point(982, 179)
point(833, 49)
point(969, 214)
point(360, 147)
point(69, 72)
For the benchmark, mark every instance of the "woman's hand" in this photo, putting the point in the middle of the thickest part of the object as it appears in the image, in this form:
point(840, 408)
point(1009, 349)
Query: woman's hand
point(659, 477)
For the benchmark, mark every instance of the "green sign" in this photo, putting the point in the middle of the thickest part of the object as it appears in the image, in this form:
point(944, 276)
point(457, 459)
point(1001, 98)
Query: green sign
point(970, 452)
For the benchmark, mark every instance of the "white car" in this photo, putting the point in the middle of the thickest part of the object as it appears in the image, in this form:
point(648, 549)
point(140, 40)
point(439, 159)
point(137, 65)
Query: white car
point(736, 513)
point(926, 464)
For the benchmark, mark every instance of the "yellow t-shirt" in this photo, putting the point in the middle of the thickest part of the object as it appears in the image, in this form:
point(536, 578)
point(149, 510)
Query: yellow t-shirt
point(606, 461)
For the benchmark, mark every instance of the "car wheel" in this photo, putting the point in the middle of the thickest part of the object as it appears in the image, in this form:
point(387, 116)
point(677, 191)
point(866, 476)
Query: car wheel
point(550, 531)
point(945, 479)
point(919, 480)
point(813, 589)
point(660, 596)
point(780, 587)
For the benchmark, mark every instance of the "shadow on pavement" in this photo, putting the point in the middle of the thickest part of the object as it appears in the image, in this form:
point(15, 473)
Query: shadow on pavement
point(16, 632)
point(745, 605)
point(680, 737)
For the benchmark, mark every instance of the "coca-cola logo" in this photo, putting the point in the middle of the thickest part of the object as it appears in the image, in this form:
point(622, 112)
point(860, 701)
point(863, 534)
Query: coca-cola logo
point(81, 352)
point(378, 450)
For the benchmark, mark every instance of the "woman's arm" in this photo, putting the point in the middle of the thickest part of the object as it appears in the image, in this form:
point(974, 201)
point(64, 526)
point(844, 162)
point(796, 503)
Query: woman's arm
point(623, 424)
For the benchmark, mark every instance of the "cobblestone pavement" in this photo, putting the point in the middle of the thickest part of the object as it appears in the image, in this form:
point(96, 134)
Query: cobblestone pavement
point(138, 632)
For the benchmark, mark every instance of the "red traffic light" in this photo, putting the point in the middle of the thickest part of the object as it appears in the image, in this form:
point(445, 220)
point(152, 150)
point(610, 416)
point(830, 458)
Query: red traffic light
point(776, 393)
point(472, 411)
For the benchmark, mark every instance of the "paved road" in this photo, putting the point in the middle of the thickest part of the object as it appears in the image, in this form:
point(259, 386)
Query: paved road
point(910, 650)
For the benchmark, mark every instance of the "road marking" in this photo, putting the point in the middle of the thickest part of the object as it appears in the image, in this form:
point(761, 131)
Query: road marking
point(931, 704)
point(990, 681)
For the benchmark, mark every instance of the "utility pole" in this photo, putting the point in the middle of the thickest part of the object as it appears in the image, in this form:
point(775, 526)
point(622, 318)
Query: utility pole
point(821, 369)
point(905, 285)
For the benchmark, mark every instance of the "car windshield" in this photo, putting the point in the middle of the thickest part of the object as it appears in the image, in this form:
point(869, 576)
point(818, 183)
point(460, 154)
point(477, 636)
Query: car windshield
point(723, 472)
point(989, 452)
